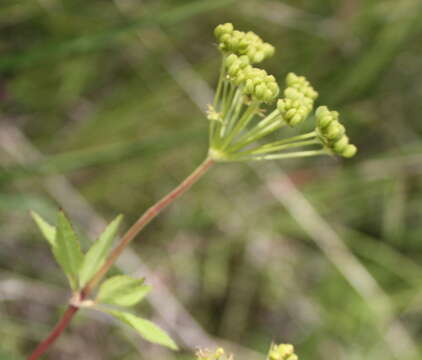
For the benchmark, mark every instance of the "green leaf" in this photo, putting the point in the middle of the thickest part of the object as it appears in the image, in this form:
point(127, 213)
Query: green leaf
point(47, 230)
point(148, 330)
point(122, 290)
point(98, 252)
point(67, 250)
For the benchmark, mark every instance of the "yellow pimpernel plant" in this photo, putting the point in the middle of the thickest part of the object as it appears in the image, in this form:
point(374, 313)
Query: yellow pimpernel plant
point(241, 129)
point(239, 125)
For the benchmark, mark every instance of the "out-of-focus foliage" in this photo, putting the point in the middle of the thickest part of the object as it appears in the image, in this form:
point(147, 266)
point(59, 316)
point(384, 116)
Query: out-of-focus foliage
point(112, 93)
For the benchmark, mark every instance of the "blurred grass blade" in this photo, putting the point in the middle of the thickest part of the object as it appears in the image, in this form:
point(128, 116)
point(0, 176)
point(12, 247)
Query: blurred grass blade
point(98, 252)
point(403, 22)
point(107, 154)
point(108, 38)
point(122, 290)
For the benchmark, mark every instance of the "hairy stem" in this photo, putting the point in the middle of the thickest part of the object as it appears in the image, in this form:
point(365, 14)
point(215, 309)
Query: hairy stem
point(134, 230)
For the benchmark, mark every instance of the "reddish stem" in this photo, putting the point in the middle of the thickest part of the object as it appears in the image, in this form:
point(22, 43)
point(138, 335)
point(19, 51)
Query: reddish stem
point(145, 219)
point(55, 333)
point(134, 230)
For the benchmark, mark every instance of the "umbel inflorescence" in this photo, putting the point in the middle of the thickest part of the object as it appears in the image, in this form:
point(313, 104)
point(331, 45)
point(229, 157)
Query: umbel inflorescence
point(239, 121)
point(276, 352)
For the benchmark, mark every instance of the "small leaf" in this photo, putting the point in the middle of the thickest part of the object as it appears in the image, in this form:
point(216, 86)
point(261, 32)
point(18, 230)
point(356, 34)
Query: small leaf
point(47, 230)
point(122, 290)
point(148, 330)
point(67, 250)
point(98, 252)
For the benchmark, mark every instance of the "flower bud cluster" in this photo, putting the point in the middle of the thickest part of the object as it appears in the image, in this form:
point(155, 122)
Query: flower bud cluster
point(332, 133)
point(302, 85)
point(282, 352)
point(219, 354)
point(241, 43)
point(256, 82)
point(298, 100)
point(239, 126)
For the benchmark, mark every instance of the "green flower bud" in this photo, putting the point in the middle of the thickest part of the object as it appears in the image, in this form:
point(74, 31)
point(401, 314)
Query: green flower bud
point(259, 91)
point(334, 130)
point(311, 93)
point(300, 96)
point(248, 87)
point(331, 132)
point(244, 61)
point(233, 69)
point(258, 57)
point(324, 121)
point(323, 117)
point(268, 50)
point(240, 78)
point(241, 43)
point(268, 96)
point(296, 120)
point(349, 151)
point(341, 144)
point(290, 113)
point(222, 29)
point(281, 105)
point(291, 79)
point(273, 87)
point(231, 59)
point(321, 111)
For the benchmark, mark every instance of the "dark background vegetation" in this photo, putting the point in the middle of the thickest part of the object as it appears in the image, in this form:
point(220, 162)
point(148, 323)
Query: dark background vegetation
point(102, 113)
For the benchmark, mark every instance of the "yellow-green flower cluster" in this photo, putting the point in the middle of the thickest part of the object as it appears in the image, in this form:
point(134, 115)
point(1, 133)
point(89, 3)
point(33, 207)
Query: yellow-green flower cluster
point(235, 67)
point(282, 352)
point(219, 354)
point(255, 82)
point(241, 43)
point(332, 133)
point(298, 101)
point(241, 123)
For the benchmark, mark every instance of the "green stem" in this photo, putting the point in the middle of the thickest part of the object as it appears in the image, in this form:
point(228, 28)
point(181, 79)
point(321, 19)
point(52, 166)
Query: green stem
point(231, 120)
point(261, 125)
point(229, 99)
point(220, 83)
point(249, 139)
point(242, 123)
point(268, 149)
point(214, 124)
point(282, 156)
point(224, 100)
point(292, 139)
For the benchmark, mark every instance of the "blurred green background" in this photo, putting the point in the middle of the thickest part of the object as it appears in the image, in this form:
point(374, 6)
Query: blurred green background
point(102, 113)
